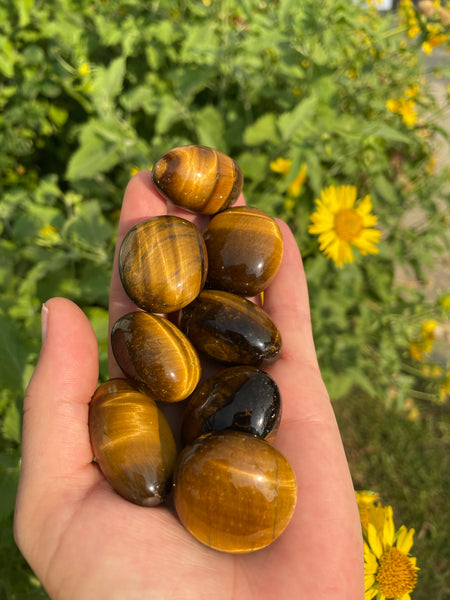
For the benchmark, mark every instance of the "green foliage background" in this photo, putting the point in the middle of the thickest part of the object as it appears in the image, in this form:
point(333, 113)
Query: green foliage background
point(90, 91)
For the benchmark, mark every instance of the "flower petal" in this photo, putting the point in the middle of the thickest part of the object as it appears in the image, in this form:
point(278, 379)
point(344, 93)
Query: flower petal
point(405, 539)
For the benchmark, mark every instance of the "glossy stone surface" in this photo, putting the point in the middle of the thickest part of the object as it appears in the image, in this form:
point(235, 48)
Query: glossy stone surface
point(156, 356)
point(234, 492)
point(163, 263)
point(198, 178)
point(245, 248)
point(132, 442)
point(242, 398)
point(231, 329)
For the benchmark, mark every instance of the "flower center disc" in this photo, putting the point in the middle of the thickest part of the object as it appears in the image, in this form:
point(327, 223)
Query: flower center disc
point(348, 224)
point(396, 575)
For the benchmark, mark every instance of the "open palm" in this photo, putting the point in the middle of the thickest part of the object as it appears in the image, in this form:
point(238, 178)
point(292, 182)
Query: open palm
point(86, 542)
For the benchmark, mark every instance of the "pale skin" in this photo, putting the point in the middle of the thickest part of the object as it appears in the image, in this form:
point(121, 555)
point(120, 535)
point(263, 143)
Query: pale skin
point(84, 541)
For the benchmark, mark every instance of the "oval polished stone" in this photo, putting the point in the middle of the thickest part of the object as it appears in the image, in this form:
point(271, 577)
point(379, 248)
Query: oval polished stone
point(245, 248)
point(156, 356)
point(163, 263)
point(234, 492)
point(132, 442)
point(242, 398)
point(231, 329)
point(198, 178)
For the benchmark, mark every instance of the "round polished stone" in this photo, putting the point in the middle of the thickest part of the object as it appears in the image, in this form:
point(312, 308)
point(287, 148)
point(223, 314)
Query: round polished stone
point(234, 492)
point(132, 442)
point(245, 248)
point(163, 263)
point(242, 398)
point(198, 178)
point(231, 329)
point(155, 355)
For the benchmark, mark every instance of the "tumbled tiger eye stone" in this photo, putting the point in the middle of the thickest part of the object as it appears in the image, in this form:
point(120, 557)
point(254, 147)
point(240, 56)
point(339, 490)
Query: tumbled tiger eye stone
point(156, 356)
point(242, 398)
point(132, 442)
point(245, 247)
point(231, 329)
point(198, 178)
point(163, 263)
point(234, 492)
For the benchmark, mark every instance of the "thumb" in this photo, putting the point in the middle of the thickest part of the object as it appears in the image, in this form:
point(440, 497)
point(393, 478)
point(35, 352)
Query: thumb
point(55, 436)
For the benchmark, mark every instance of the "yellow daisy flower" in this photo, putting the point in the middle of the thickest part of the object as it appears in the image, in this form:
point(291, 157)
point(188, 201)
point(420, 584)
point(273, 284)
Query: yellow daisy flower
point(281, 165)
point(389, 571)
point(295, 187)
point(365, 499)
point(340, 225)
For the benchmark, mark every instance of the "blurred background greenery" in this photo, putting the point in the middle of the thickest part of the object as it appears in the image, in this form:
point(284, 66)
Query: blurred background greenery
point(303, 96)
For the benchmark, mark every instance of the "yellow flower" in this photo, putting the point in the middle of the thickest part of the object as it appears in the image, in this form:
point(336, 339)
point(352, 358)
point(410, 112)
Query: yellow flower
point(281, 165)
point(423, 345)
point(445, 302)
point(412, 91)
point(134, 169)
point(389, 571)
point(340, 225)
point(295, 187)
point(444, 390)
point(404, 107)
point(84, 69)
point(415, 350)
point(48, 231)
point(433, 41)
point(427, 334)
point(365, 499)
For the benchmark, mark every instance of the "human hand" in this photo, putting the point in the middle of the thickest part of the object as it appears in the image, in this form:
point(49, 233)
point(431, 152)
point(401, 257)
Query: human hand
point(85, 542)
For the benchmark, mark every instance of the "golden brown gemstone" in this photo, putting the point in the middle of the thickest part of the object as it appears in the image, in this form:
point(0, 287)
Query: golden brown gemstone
point(242, 398)
point(132, 442)
point(163, 263)
point(234, 492)
point(198, 178)
point(231, 329)
point(245, 247)
point(156, 356)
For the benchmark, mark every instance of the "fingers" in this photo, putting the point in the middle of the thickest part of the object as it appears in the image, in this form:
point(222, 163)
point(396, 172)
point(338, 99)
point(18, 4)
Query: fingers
point(55, 433)
point(286, 301)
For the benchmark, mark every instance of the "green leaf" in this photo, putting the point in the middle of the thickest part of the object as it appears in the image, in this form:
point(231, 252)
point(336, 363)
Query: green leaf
point(9, 479)
point(262, 130)
point(108, 84)
point(210, 128)
point(13, 355)
point(95, 155)
point(171, 112)
point(88, 227)
point(290, 122)
point(11, 423)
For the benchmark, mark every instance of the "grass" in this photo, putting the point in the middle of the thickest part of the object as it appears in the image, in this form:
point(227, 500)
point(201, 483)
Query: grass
point(408, 463)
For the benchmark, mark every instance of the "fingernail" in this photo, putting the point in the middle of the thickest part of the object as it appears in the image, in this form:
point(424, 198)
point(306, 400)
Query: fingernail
point(44, 322)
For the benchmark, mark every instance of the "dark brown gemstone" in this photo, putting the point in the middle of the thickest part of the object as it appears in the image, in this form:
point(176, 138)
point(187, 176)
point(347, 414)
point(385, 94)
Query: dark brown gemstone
point(231, 329)
point(242, 398)
point(155, 355)
point(163, 263)
point(132, 442)
point(234, 492)
point(245, 247)
point(198, 178)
